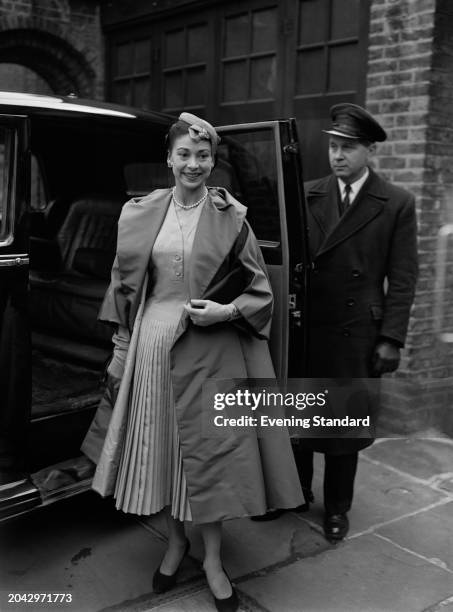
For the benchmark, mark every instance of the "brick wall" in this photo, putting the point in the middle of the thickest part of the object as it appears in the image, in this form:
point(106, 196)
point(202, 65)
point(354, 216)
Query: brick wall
point(59, 39)
point(410, 90)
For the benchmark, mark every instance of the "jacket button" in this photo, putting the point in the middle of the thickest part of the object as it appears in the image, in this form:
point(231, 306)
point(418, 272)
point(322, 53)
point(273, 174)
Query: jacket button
point(350, 302)
point(177, 257)
point(356, 273)
point(346, 332)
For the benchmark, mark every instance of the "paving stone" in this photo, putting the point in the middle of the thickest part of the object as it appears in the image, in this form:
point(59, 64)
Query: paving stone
point(81, 546)
point(248, 546)
point(429, 534)
point(251, 546)
point(197, 602)
point(422, 458)
point(364, 575)
point(380, 495)
point(200, 601)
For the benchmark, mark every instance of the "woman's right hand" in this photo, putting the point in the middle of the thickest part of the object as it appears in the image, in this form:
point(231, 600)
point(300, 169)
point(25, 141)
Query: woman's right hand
point(207, 312)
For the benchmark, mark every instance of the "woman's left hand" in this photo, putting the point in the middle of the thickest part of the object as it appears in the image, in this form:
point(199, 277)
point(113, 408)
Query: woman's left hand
point(206, 312)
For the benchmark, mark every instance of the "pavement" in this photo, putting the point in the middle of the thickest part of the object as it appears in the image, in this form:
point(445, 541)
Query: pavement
point(398, 556)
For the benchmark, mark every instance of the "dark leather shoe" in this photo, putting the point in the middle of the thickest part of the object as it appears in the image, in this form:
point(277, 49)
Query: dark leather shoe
point(164, 582)
point(269, 516)
point(231, 603)
point(336, 527)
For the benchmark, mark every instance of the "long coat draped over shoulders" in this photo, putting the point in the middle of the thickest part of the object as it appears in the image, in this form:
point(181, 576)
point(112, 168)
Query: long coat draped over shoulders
point(238, 473)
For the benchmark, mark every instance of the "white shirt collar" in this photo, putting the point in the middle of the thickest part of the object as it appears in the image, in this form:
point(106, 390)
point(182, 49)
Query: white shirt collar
point(355, 186)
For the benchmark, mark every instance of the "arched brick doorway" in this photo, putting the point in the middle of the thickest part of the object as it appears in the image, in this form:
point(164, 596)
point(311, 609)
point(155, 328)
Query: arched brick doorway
point(54, 59)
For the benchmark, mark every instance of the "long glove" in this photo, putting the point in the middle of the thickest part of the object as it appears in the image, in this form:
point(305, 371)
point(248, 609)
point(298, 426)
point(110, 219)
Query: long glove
point(120, 339)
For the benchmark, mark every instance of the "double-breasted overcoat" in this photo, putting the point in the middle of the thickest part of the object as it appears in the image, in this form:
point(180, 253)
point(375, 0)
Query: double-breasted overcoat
point(362, 283)
point(237, 473)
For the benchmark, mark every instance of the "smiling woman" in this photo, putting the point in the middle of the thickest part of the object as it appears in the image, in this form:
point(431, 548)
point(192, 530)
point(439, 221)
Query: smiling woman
point(177, 247)
point(191, 156)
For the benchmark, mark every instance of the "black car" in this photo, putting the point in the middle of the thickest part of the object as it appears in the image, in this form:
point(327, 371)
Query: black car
point(67, 167)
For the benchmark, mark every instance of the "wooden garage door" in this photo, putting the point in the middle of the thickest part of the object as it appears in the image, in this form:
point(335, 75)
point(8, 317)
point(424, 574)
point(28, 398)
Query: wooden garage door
point(329, 63)
point(244, 61)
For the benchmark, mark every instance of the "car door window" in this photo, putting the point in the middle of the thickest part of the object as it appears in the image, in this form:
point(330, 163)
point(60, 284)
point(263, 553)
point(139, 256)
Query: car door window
point(6, 175)
point(247, 166)
point(38, 195)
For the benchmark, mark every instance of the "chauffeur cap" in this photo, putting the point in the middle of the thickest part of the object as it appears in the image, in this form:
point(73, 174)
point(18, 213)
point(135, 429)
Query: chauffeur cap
point(353, 121)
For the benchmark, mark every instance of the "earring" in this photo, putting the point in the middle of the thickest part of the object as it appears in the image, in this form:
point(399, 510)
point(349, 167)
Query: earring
point(170, 164)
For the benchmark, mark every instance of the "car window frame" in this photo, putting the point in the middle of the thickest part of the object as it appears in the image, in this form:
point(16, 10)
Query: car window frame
point(274, 126)
point(8, 216)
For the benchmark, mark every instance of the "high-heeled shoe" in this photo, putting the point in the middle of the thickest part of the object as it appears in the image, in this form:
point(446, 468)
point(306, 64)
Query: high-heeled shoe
point(164, 582)
point(228, 604)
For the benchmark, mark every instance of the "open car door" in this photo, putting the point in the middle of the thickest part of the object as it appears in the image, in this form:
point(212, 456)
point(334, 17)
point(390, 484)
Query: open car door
point(260, 165)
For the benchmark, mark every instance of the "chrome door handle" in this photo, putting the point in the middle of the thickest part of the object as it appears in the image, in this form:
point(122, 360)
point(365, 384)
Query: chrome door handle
point(14, 260)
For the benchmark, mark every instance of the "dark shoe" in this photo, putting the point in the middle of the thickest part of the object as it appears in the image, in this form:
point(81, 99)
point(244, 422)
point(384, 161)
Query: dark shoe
point(269, 516)
point(336, 527)
point(162, 582)
point(231, 603)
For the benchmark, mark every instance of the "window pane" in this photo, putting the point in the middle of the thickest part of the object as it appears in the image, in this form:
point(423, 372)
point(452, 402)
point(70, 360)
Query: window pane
point(235, 81)
point(142, 56)
point(264, 30)
point(196, 87)
point(343, 69)
point(122, 92)
point(247, 167)
point(237, 36)
point(262, 83)
point(174, 90)
point(38, 199)
point(6, 143)
point(345, 18)
point(175, 48)
point(313, 21)
point(142, 93)
point(197, 44)
point(124, 60)
point(310, 72)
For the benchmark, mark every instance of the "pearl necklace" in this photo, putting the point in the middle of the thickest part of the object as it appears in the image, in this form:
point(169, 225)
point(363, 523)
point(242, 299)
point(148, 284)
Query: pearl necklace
point(188, 206)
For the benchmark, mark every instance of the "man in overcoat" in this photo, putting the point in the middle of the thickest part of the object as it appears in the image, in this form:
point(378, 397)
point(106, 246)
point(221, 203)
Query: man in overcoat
point(363, 240)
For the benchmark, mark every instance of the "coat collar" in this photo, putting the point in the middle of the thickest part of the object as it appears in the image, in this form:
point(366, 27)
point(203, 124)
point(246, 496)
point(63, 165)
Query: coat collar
point(322, 200)
point(219, 225)
point(141, 219)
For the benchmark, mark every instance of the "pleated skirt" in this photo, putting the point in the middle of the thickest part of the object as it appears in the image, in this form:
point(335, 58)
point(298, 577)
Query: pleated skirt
point(151, 474)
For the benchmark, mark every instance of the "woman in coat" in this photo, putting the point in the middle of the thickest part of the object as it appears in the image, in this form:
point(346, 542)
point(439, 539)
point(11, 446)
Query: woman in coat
point(191, 300)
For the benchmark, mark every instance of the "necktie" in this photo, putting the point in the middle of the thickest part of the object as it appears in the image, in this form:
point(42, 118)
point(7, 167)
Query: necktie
point(346, 200)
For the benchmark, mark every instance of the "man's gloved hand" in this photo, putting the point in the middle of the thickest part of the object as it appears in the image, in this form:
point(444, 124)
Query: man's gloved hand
point(386, 358)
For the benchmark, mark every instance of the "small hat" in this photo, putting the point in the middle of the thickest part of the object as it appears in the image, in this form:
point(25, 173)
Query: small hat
point(199, 129)
point(352, 121)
